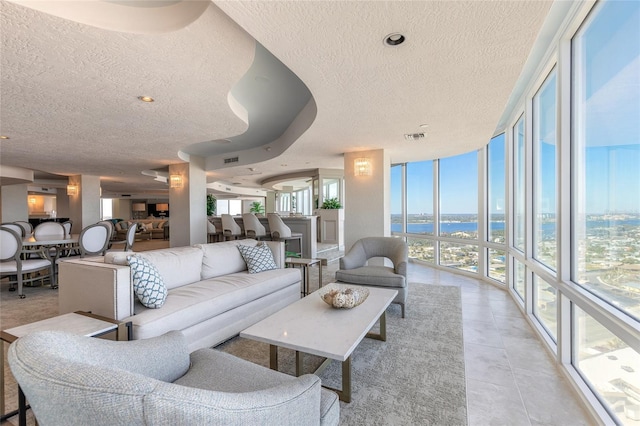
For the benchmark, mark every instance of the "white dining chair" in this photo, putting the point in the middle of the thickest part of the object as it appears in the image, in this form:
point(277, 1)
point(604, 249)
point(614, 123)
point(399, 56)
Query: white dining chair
point(94, 240)
point(13, 266)
point(28, 227)
point(230, 229)
point(253, 228)
point(213, 234)
point(14, 227)
point(49, 230)
point(281, 232)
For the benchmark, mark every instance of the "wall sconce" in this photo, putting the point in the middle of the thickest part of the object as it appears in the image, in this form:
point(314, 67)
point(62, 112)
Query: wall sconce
point(175, 181)
point(72, 189)
point(362, 167)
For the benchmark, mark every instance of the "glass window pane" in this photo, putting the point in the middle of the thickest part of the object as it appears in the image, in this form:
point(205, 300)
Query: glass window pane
point(609, 365)
point(497, 265)
point(459, 256)
point(544, 173)
point(396, 198)
point(518, 185)
point(545, 306)
point(496, 182)
point(606, 148)
point(519, 278)
point(420, 197)
point(421, 249)
point(459, 196)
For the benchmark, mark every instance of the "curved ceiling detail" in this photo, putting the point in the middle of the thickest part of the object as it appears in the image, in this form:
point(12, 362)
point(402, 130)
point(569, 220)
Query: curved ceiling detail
point(270, 98)
point(141, 17)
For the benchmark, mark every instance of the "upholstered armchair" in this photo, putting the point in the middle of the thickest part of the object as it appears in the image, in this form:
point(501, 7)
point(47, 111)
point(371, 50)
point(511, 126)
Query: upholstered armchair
point(76, 380)
point(354, 267)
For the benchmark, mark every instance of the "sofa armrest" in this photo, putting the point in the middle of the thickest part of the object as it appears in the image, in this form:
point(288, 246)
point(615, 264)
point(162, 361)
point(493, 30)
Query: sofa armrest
point(101, 288)
point(277, 249)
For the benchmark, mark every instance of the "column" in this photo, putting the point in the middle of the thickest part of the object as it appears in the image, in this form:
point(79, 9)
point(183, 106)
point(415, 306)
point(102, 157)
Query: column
point(366, 206)
point(188, 203)
point(84, 206)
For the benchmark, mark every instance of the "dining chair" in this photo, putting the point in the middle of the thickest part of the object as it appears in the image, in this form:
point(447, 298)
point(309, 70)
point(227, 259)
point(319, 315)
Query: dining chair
point(48, 229)
point(28, 227)
point(13, 266)
point(230, 229)
point(213, 235)
point(252, 227)
point(15, 227)
point(281, 232)
point(67, 227)
point(131, 238)
point(94, 240)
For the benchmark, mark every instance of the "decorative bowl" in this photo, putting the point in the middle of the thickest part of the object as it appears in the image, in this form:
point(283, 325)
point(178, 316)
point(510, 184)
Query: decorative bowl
point(343, 296)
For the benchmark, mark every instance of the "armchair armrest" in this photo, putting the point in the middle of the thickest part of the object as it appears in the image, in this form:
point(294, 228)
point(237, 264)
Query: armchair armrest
point(356, 257)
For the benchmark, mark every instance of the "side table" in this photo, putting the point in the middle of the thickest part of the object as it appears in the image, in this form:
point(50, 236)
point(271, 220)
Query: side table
point(305, 264)
point(83, 323)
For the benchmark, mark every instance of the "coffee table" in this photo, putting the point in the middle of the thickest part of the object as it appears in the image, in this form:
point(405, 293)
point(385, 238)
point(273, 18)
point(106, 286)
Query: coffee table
point(311, 326)
point(83, 323)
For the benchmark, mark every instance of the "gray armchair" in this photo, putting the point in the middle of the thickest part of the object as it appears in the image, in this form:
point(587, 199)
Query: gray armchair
point(76, 380)
point(354, 268)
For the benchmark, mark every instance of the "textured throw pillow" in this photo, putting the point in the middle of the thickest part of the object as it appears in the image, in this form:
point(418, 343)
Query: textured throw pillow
point(147, 282)
point(258, 258)
point(123, 225)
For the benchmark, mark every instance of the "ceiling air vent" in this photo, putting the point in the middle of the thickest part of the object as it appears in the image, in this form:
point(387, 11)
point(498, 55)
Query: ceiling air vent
point(414, 136)
point(231, 160)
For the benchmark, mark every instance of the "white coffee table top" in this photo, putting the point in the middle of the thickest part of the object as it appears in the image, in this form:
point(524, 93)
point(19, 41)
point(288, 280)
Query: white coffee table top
point(310, 325)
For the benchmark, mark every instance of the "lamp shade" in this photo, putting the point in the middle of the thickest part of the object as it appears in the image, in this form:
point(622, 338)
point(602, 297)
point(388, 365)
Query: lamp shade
point(162, 207)
point(138, 207)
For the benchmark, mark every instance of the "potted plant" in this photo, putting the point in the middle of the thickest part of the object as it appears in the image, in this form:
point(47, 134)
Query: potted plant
point(331, 203)
point(256, 207)
point(331, 220)
point(212, 205)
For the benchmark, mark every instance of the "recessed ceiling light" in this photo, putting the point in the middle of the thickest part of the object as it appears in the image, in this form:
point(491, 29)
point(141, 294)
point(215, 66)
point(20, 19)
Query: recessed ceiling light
point(146, 98)
point(283, 165)
point(424, 125)
point(394, 39)
point(4, 137)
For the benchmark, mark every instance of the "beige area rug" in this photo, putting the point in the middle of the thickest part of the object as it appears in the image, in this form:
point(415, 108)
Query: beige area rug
point(416, 377)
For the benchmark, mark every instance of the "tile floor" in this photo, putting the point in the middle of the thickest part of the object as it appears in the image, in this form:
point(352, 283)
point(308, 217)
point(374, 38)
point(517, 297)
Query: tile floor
point(511, 379)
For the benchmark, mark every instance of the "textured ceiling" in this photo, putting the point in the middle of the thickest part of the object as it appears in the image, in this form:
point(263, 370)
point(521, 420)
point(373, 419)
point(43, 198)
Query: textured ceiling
point(69, 90)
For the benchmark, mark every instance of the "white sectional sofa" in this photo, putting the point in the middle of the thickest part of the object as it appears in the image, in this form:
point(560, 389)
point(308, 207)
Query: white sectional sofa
point(211, 295)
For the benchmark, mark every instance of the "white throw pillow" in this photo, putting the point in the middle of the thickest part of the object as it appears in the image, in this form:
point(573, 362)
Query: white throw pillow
point(258, 258)
point(147, 282)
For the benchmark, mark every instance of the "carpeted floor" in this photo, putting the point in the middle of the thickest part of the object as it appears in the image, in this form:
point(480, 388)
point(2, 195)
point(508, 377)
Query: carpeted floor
point(416, 377)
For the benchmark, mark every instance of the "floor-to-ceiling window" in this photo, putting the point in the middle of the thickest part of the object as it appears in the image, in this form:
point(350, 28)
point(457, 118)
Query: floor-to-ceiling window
point(562, 221)
point(606, 199)
point(496, 208)
point(544, 215)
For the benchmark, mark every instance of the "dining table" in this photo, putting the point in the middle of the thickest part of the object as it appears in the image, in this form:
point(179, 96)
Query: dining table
point(52, 246)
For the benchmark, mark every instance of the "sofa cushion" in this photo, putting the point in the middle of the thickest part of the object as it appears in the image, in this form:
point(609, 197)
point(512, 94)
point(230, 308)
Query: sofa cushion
point(223, 258)
point(371, 275)
point(147, 282)
point(192, 304)
point(178, 266)
point(258, 258)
